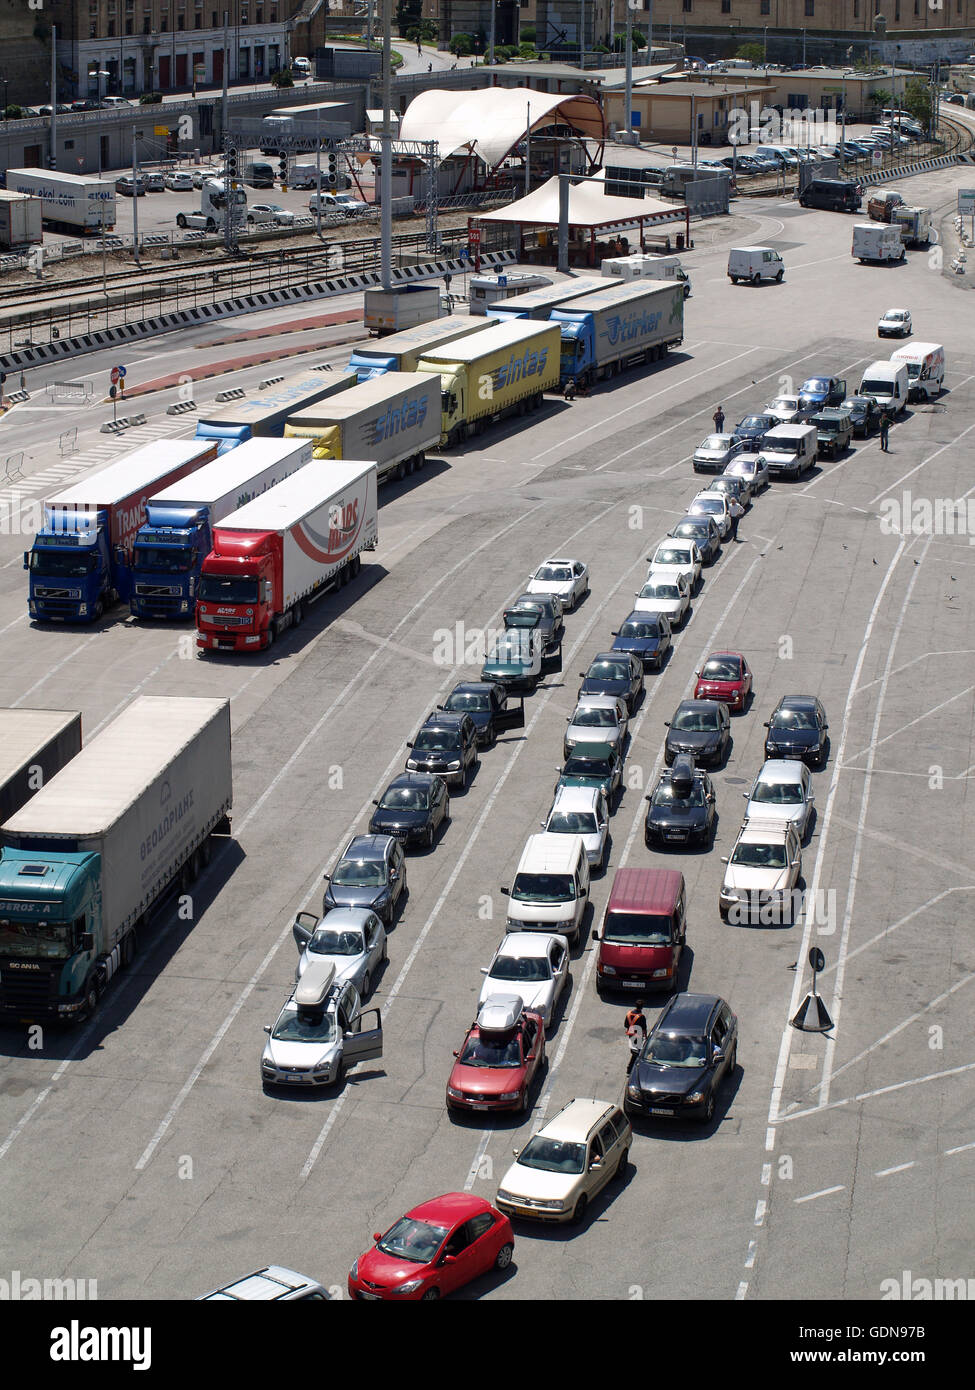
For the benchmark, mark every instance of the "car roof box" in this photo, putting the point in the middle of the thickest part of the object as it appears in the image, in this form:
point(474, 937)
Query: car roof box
point(313, 988)
point(682, 775)
point(500, 1013)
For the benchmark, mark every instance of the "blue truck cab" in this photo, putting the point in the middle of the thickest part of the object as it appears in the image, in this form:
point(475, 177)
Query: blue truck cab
point(50, 920)
point(226, 437)
point(367, 367)
point(167, 559)
point(75, 573)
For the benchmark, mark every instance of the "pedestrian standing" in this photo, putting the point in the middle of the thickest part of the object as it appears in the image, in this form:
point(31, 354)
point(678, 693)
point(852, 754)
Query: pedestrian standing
point(419, 50)
point(635, 1039)
point(884, 430)
point(636, 1018)
point(718, 418)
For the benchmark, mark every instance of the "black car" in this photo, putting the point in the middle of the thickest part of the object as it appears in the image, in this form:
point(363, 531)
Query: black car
point(412, 808)
point(489, 706)
point(681, 810)
point(754, 426)
point(85, 104)
point(552, 624)
point(614, 673)
point(704, 531)
point(370, 874)
point(798, 729)
point(701, 728)
point(691, 1048)
point(865, 413)
point(446, 744)
point(646, 635)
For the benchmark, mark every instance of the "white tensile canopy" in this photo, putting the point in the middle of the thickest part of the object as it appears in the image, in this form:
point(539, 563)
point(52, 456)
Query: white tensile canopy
point(490, 121)
point(589, 206)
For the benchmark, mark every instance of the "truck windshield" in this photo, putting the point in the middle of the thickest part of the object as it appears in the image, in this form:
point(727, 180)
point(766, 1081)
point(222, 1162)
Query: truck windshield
point(226, 588)
point(35, 940)
point(872, 387)
point(638, 929)
point(62, 564)
point(163, 559)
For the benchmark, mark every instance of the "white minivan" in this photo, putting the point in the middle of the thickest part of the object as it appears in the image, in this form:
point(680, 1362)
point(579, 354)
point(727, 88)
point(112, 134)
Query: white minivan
point(887, 382)
point(551, 888)
point(925, 363)
point(755, 264)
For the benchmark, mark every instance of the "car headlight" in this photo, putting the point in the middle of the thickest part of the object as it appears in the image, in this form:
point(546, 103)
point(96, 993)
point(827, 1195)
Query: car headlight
point(322, 1066)
point(661, 974)
point(696, 1097)
point(509, 1095)
point(607, 969)
point(504, 1196)
point(567, 925)
point(633, 1091)
point(454, 766)
point(729, 896)
point(457, 1095)
point(410, 1286)
point(354, 1271)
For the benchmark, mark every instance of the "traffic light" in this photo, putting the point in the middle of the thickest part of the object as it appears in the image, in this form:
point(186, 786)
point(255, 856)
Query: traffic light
point(331, 175)
point(231, 163)
point(283, 166)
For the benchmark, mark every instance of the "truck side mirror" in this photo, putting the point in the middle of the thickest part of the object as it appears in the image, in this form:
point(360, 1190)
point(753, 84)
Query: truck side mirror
point(26, 559)
point(119, 554)
point(87, 941)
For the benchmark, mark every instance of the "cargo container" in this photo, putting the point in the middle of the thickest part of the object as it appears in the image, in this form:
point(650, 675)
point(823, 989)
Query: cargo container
point(485, 290)
point(390, 311)
point(391, 421)
point(78, 202)
point(81, 560)
point(178, 535)
point(283, 551)
point(87, 859)
point(401, 352)
point(263, 414)
point(34, 745)
point(498, 372)
point(621, 324)
point(20, 220)
point(538, 304)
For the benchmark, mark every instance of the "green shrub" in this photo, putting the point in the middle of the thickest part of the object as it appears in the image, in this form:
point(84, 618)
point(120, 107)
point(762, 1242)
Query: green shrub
point(282, 78)
point(462, 45)
point(150, 98)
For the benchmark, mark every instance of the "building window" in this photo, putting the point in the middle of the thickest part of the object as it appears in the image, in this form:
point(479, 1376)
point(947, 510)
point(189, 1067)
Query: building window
point(128, 26)
point(897, 11)
point(810, 8)
point(686, 6)
point(726, 6)
point(111, 28)
point(260, 17)
point(164, 23)
point(147, 26)
point(765, 7)
point(181, 21)
point(213, 19)
point(197, 21)
point(856, 9)
point(91, 31)
point(917, 8)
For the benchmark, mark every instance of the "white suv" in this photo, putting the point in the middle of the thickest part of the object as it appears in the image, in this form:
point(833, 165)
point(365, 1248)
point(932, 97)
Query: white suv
point(760, 881)
point(569, 1160)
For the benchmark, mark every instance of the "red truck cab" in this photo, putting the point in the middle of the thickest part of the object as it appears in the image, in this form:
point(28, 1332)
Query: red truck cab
point(643, 931)
point(236, 597)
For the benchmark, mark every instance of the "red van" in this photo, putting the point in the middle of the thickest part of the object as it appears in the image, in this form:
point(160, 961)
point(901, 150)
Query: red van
point(643, 931)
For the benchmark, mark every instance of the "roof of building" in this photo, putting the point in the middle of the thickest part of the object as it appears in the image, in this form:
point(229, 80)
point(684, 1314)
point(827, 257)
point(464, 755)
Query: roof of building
point(589, 206)
point(490, 121)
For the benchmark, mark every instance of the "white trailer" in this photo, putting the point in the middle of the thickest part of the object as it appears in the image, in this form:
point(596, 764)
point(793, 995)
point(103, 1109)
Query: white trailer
point(877, 241)
point(34, 745)
point(20, 220)
point(392, 420)
point(80, 202)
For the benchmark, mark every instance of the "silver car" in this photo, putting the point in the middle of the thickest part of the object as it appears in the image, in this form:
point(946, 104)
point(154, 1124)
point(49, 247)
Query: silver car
point(534, 965)
point(782, 791)
point(714, 454)
point(353, 939)
point(762, 874)
point(753, 469)
point(319, 1033)
point(596, 719)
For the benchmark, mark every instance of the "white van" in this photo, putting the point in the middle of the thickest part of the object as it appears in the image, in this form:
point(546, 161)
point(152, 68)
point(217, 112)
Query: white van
point(877, 241)
point(887, 382)
point(755, 264)
point(925, 363)
point(788, 450)
point(551, 888)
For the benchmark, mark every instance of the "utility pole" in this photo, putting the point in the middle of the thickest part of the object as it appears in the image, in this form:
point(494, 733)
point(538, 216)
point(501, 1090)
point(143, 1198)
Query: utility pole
point(318, 173)
point(226, 74)
point(528, 148)
point(53, 161)
point(564, 186)
point(628, 87)
point(135, 201)
point(693, 130)
point(386, 166)
point(494, 11)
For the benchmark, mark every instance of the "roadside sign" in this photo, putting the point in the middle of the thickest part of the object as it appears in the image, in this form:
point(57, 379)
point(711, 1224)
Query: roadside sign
point(474, 236)
point(966, 200)
point(463, 254)
point(120, 370)
point(673, 150)
point(877, 157)
point(502, 281)
point(114, 375)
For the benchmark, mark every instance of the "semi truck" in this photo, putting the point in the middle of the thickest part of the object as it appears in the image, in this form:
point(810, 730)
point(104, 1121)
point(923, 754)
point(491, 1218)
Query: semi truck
point(20, 220)
point(391, 311)
point(215, 202)
point(499, 372)
point(636, 321)
point(402, 351)
point(75, 202)
point(391, 420)
point(538, 304)
point(81, 560)
point(262, 415)
point(178, 533)
point(34, 745)
point(86, 861)
point(284, 550)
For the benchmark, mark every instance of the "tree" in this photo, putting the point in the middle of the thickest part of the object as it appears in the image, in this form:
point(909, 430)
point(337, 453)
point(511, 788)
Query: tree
point(282, 78)
point(619, 41)
point(462, 45)
point(527, 34)
point(880, 98)
point(917, 100)
point(753, 52)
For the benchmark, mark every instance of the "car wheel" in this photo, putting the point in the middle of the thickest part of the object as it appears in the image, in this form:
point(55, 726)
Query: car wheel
point(503, 1258)
point(620, 1173)
point(181, 220)
point(580, 1209)
point(431, 835)
point(707, 1115)
point(430, 1295)
point(523, 1102)
point(756, 279)
point(778, 278)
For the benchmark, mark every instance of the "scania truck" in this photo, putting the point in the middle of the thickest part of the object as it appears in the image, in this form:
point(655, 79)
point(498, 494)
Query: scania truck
point(86, 861)
point(34, 745)
point(391, 420)
point(81, 560)
point(178, 535)
point(636, 321)
point(263, 415)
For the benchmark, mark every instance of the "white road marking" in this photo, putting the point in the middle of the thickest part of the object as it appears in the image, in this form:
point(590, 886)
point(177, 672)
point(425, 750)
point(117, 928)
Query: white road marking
point(902, 921)
point(900, 1168)
point(814, 1196)
point(760, 1210)
point(935, 709)
point(925, 656)
point(742, 1290)
point(962, 1149)
point(888, 491)
point(880, 1091)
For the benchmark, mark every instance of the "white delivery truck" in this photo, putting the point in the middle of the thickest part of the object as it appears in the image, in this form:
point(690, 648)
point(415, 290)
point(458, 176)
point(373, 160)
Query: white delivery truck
point(925, 363)
point(788, 450)
point(74, 202)
point(755, 264)
point(877, 241)
point(20, 220)
point(88, 858)
point(485, 290)
point(34, 745)
point(392, 420)
point(915, 226)
point(888, 383)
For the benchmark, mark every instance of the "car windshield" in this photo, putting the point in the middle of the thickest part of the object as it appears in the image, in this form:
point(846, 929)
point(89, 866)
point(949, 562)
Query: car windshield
point(553, 1155)
point(491, 1052)
point(778, 793)
point(794, 719)
point(695, 721)
point(751, 856)
point(590, 717)
point(416, 1241)
point(720, 668)
point(360, 873)
point(784, 403)
point(405, 799)
point(436, 741)
point(870, 387)
point(607, 671)
point(587, 767)
point(754, 422)
point(305, 1025)
point(665, 795)
point(670, 557)
point(543, 888)
point(327, 942)
point(691, 530)
point(712, 505)
point(512, 649)
point(636, 629)
point(783, 446)
point(671, 1050)
point(637, 928)
point(225, 588)
point(572, 823)
point(62, 564)
point(554, 574)
point(818, 384)
point(530, 968)
point(715, 441)
point(163, 559)
point(660, 590)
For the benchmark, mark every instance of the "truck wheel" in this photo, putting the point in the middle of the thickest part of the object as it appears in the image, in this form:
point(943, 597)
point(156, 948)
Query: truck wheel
point(211, 225)
point(400, 471)
point(778, 278)
point(130, 946)
point(298, 614)
point(756, 279)
point(99, 610)
point(271, 634)
point(421, 459)
point(357, 564)
point(206, 852)
point(181, 220)
point(91, 997)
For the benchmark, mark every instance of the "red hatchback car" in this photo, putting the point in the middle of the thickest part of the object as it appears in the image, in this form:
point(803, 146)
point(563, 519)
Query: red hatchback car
point(434, 1249)
point(500, 1058)
point(725, 676)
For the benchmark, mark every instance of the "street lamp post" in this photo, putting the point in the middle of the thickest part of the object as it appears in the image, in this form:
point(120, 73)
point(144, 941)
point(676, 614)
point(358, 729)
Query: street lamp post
point(803, 48)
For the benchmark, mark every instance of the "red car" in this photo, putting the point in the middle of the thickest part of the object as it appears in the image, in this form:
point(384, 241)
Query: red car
point(724, 676)
point(434, 1249)
point(501, 1055)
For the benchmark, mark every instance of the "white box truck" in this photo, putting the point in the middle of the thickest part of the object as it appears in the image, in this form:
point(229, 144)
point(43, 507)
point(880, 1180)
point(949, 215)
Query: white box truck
point(877, 241)
point(390, 311)
point(20, 220)
point(34, 745)
point(89, 857)
point(925, 363)
point(391, 420)
point(282, 551)
point(75, 202)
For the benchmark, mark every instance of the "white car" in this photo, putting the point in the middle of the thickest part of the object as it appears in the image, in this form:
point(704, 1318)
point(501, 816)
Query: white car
point(751, 467)
point(270, 212)
point(180, 181)
point(581, 1149)
point(320, 1032)
point(355, 207)
point(260, 215)
point(787, 410)
point(568, 580)
point(667, 594)
point(674, 559)
point(716, 505)
point(596, 719)
point(582, 811)
point(534, 965)
point(782, 791)
point(896, 323)
point(762, 873)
